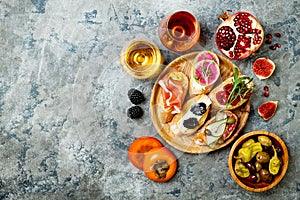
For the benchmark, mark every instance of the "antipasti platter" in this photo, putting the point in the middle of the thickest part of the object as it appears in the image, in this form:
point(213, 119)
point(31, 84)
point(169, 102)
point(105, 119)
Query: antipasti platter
point(187, 142)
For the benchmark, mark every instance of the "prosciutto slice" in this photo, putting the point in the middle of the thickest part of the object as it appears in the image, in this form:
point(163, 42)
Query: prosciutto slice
point(174, 86)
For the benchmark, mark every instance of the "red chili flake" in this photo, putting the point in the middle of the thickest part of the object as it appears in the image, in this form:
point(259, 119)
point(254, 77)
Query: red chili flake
point(266, 88)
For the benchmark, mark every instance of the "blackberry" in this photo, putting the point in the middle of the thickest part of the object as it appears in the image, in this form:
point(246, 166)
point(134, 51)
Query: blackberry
point(135, 112)
point(135, 96)
point(199, 109)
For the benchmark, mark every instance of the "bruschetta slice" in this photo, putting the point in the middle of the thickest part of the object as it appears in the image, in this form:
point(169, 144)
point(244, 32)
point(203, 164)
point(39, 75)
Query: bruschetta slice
point(217, 129)
point(192, 117)
point(204, 73)
point(232, 93)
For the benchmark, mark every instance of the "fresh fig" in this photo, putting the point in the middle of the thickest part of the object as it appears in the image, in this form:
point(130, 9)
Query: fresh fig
point(263, 68)
point(267, 109)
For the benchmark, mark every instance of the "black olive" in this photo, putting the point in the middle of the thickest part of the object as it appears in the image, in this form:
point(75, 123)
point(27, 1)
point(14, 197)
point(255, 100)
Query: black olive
point(198, 109)
point(251, 167)
point(190, 123)
point(252, 178)
point(279, 150)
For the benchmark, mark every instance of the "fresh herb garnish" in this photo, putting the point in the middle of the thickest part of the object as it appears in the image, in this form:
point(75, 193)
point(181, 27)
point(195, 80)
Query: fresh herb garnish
point(239, 88)
point(204, 72)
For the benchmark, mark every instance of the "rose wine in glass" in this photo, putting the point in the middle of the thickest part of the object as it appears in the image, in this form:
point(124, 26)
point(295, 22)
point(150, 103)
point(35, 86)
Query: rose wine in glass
point(179, 31)
point(141, 59)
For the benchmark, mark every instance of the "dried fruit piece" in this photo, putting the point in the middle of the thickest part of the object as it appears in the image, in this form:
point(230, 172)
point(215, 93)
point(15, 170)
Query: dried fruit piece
point(239, 35)
point(263, 68)
point(267, 109)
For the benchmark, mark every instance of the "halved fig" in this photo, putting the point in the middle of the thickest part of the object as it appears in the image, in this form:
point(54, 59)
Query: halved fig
point(263, 68)
point(267, 109)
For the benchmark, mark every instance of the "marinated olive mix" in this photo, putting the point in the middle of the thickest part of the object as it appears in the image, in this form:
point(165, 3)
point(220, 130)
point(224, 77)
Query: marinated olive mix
point(258, 160)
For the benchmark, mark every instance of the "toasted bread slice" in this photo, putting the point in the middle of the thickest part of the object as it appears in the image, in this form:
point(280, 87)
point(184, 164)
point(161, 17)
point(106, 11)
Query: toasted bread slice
point(197, 89)
point(192, 117)
point(217, 105)
point(203, 76)
point(202, 137)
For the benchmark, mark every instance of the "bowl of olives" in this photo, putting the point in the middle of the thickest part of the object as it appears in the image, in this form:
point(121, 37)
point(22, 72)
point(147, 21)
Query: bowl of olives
point(258, 161)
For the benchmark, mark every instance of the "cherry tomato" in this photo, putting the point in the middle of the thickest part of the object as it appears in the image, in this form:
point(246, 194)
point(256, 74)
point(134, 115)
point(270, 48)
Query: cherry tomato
point(139, 147)
point(222, 97)
point(160, 164)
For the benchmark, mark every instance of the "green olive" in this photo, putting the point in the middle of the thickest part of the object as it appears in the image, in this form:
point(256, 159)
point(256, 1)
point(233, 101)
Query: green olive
point(230, 120)
point(258, 177)
point(258, 166)
point(262, 157)
point(264, 140)
point(265, 175)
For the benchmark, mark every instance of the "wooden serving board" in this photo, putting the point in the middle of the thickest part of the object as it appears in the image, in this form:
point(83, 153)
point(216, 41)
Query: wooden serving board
point(186, 143)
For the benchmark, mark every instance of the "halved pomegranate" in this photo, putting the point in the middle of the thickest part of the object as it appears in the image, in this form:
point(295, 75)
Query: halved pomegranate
point(239, 35)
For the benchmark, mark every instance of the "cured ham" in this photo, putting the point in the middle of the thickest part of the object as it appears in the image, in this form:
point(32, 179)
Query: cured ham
point(173, 90)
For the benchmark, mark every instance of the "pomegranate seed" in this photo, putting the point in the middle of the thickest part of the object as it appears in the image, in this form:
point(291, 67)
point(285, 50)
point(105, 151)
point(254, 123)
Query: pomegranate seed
point(226, 37)
point(258, 31)
point(268, 41)
point(273, 47)
point(269, 36)
point(266, 94)
point(277, 34)
point(266, 88)
point(278, 45)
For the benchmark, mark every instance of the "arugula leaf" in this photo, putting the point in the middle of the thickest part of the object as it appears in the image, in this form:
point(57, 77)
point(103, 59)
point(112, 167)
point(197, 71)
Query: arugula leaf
point(239, 88)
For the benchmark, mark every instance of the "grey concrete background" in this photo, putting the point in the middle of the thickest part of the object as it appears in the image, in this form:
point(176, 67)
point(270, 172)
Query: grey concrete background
point(64, 133)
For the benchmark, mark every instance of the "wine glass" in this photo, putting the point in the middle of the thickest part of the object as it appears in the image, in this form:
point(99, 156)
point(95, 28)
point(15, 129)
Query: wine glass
point(141, 59)
point(179, 31)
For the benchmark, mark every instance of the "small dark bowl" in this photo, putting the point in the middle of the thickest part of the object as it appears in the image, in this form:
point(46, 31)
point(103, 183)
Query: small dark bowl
point(258, 186)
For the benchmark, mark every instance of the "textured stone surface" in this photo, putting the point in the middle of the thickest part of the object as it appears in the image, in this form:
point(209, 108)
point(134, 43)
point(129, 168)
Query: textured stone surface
point(64, 133)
